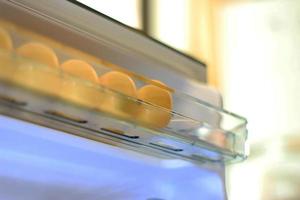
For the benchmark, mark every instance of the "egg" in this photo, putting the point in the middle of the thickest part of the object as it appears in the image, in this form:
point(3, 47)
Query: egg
point(40, 53)
point(80, 69)
point(119, 82)
point(6, 63)
point(39, 68)
point(5, 40)
point(116, 99)
point(80, 83)
point(158, 114)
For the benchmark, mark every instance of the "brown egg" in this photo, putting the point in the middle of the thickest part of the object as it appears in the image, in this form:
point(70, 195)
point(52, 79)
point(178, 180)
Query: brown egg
point(80, 83)
point(119, 82)
point(7, 68)
point(116, 101)
point(40, 53)
point(158, 114)
point(80, 69)
point(38, 68)
point(5, 40)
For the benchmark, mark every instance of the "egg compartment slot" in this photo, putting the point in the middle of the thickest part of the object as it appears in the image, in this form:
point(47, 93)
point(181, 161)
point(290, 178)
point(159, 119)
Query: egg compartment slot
point(165, 146)
point(65, 116)
point(120, 132)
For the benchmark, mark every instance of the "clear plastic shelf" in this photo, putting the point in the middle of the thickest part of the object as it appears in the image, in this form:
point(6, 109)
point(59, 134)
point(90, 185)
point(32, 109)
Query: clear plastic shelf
point(192, 129)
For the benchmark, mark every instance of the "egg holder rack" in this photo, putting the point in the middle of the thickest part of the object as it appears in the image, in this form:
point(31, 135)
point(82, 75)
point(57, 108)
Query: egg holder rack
point(196, 131)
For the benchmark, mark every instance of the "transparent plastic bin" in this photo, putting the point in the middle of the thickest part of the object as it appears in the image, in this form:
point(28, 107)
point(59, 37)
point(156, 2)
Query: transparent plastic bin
point(193, 129)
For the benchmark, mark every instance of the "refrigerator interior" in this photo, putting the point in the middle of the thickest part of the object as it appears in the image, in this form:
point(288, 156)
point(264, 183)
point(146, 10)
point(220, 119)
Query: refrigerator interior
point(41, 163)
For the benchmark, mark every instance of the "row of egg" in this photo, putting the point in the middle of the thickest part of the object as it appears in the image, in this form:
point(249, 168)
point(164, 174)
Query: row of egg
point(77, 92)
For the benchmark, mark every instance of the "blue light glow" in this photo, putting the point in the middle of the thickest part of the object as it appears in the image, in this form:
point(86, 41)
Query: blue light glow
point(40, 163)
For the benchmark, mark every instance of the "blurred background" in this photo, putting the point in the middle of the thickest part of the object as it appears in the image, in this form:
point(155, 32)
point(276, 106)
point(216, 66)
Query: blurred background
point(252, 52)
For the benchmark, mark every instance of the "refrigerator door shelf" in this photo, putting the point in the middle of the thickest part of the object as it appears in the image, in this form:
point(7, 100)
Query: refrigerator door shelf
point(171, 141)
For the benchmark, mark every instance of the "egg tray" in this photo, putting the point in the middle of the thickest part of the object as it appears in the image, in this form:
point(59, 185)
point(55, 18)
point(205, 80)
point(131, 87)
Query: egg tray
point(35, 92)
point(196, 131)
point(47, 111)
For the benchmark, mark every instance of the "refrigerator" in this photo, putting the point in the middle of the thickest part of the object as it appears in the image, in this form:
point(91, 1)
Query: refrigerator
point(64, 136)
